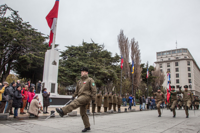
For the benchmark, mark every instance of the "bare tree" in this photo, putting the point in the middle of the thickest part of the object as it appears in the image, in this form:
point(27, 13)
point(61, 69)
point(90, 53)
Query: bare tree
point(135, 56)
point(159, 78)
point(124, 47)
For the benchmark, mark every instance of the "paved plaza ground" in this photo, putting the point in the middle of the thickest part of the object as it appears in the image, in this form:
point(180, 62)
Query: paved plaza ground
point(131, 122)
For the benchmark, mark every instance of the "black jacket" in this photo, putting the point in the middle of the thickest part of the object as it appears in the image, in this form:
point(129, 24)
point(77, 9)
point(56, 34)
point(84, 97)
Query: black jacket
point(17, 101)
point(140, 100)
point(10, 92)
point(45, 99)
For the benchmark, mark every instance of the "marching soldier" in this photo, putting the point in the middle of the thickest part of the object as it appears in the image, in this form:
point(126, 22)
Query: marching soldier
point(110, 100)
point(114, 102)
point(197, 102)
point(180, 102)
point(94, 105)
point(99, 102)
point(173, 100)
point(119, 103)
point(159, 100)
point(187, 98)
point(86, 91)
point(106, 103)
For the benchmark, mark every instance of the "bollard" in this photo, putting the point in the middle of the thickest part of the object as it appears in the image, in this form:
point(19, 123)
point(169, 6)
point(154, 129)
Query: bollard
point(125, 109)
point(52, 113)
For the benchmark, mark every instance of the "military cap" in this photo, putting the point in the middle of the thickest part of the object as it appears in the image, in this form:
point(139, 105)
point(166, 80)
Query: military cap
point(186, 86)
point(84, 69)
point(172, 86)
point(159, 88)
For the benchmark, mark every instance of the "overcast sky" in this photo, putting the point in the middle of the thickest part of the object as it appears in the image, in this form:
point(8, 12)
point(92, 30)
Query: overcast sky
point(155, 24)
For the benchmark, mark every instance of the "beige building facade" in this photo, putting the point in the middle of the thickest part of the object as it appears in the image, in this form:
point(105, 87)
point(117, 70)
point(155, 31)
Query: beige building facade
point(182, 67)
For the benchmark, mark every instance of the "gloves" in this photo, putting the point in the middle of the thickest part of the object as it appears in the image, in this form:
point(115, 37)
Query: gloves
point(93, 101)
point(73, 98)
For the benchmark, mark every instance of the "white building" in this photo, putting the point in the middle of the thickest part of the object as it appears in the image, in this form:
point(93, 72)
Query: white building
point(182, 66)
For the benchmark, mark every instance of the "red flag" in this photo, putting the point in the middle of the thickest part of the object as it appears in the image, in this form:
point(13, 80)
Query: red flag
point(168, 94)
point(147, 73)
point(51, 20)
point(122, 61)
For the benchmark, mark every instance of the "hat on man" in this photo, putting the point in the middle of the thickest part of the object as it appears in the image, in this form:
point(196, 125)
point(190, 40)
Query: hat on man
point(84, 69)
point(186, 86)
point(172, 86)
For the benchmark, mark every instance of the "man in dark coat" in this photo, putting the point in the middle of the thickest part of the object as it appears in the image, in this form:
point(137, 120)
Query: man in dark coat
point(17, 101)
point(38, 87)
point(10, 92)
point(45, 95)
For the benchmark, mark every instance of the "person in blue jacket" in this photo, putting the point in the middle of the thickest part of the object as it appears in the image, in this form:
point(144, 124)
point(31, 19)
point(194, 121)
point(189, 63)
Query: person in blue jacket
point(130, 100)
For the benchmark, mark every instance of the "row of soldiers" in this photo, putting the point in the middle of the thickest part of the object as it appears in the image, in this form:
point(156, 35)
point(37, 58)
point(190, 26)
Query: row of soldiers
point(110, 100)
point(187, 99)
point(194, 105)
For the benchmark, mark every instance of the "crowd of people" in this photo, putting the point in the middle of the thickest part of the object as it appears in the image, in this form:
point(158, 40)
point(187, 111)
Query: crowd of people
point(24, 97)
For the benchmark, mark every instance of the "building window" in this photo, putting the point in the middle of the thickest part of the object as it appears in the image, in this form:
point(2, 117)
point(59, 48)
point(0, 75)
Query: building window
point(160, 65)
point(168, 70)
point(168, 52)
point(168, 64)
point(177, 70)
point(185, 56)
point(177, 81)
point(179, 51)
point(168, 58)
point(161, 59)
point(184, 51)
point(158, 54)
point(177, 86)
point(188, 63)
point(189, 81)
point(190, 86)
point(176, 63)
point(174, 52)
point(161, 70)
point(177, 75)
point(164, 53)
point(189, 74)
point(189, 69)
point(177, 58)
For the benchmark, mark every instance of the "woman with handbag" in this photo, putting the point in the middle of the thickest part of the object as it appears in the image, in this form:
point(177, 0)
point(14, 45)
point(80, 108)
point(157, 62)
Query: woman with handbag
point(17, 101)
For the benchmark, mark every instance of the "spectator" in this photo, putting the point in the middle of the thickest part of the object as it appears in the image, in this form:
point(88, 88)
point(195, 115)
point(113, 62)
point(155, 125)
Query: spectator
point(45, 100)
point(1, 85)
point(134, 101)
point(10, 92)
point(38, 87)
point(130, 102)
point(29, 84)
point(143, 102)
point(17, 101)
point(140, 103)
point(124, 101)
point(18, 83)
point(148, 102)
point(34, 106)
point(31, 94)
point(2, 101)
point(24, 93)
point(153, 103)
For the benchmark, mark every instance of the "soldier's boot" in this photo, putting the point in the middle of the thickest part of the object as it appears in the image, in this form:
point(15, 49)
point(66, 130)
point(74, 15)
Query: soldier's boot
point(174, 113)
point(186, 112)
point(86, 129)
point(159, 112)
point(60, 112)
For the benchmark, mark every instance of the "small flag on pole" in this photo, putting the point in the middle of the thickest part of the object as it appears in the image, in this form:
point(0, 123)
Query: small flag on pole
point(51, 20)
point(168, 87)
point(122, 61)
point(147, 73)
point(132, 70)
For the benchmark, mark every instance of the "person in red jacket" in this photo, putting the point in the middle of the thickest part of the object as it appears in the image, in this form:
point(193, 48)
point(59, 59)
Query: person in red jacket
point(24, 93)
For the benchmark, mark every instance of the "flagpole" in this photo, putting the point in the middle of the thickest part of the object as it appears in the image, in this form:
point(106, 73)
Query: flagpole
point(54, 35)
point(121, 84)
point(132, 83)
point(147, 81)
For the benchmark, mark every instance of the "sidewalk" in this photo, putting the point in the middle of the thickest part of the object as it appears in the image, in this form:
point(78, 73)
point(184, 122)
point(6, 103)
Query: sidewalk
point(78, 111)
